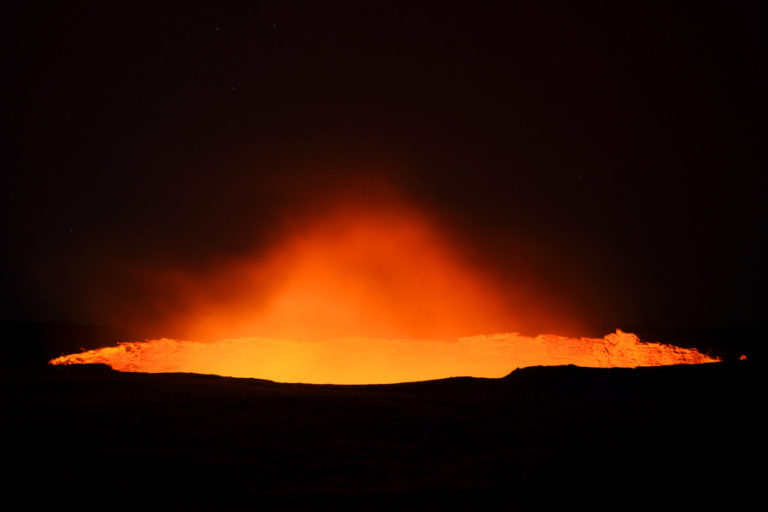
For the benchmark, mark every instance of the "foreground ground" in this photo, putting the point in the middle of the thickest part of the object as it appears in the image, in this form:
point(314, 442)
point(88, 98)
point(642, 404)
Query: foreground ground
point(90, 434)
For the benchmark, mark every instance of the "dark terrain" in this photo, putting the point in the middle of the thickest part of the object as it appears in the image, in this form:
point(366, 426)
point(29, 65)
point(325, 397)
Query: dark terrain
point(613, 437)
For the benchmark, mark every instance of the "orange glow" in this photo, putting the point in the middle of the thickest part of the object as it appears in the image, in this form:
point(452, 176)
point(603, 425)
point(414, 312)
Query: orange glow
point(378, 271)
point(374, 361)
point(363, 294)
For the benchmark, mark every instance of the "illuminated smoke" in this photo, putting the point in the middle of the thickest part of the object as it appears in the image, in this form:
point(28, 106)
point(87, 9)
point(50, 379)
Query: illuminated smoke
point(361, 294)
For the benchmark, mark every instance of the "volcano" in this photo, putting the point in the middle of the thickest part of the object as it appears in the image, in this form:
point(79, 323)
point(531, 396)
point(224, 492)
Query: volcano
point(342, 301)
point(378, 255)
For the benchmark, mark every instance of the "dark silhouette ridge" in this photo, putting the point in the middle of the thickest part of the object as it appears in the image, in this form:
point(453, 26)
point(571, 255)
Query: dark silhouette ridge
point(541, 434)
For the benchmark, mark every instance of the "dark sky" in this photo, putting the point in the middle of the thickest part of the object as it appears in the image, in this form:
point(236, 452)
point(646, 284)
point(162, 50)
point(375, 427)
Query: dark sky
point(608, 152)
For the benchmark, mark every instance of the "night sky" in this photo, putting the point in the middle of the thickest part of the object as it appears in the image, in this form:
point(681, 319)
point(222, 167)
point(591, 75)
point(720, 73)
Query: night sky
point(609, 154)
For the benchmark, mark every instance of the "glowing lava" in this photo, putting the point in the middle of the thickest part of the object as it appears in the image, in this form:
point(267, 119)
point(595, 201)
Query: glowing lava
point(363, 295)
point(374, 361)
